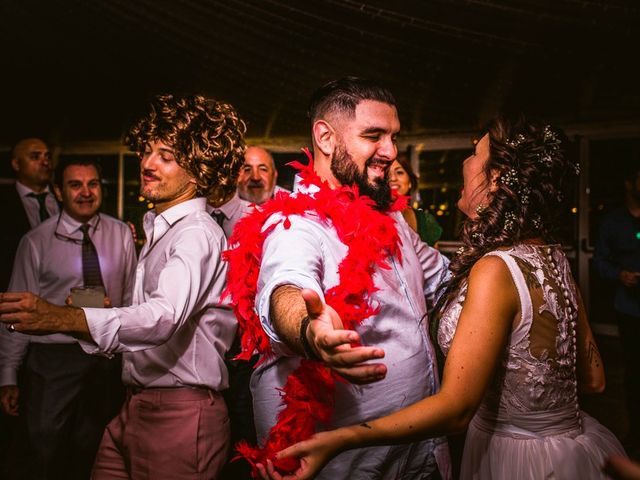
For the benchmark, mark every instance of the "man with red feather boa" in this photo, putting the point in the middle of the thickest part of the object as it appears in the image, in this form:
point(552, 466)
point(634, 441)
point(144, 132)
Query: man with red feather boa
point(334, 256)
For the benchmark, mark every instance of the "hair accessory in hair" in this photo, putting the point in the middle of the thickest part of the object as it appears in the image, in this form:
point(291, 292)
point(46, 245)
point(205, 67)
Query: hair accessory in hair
point(519, 140)
point(537, 222)
point(550, 145)
point(510, 178)
point(509, 220)
point(524, 195)
point(480, 208)
point(549, 134)
point(460, 250)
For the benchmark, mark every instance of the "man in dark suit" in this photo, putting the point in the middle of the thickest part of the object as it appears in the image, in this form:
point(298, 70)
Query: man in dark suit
point(27, 202)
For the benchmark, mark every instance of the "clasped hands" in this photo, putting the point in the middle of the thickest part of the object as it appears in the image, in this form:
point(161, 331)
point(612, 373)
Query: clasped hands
point(333, 344)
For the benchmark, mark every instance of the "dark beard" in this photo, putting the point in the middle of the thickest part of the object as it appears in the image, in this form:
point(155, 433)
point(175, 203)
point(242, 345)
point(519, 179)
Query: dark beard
point(346, 171)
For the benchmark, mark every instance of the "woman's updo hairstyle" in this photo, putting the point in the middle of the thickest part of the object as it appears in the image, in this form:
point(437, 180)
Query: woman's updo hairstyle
point(528, 161)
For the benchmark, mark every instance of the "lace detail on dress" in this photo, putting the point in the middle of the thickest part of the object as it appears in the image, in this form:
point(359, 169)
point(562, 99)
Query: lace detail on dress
point(537, 371)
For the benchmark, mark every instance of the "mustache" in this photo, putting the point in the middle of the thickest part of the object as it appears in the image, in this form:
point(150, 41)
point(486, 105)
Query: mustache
point(377, 162)
point(149, 173)
point(255, 183)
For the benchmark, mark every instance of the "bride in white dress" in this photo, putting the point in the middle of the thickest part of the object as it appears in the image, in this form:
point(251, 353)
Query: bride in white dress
point(517, 342)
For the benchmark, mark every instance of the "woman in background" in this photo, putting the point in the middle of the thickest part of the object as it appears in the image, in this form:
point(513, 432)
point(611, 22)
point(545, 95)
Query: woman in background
point(403, 180)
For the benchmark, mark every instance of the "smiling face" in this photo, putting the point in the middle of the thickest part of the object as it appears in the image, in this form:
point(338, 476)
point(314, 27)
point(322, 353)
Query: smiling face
point(162, 180)
point(365, 149)
point(399, 179)
point(81, 192)
point(258, 176)
point(477, 187)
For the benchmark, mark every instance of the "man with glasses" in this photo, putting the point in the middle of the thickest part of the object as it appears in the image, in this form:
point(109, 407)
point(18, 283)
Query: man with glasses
point(68, 391)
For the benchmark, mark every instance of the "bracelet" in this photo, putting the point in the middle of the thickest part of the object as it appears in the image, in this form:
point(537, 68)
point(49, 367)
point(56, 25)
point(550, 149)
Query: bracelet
point(304, 341)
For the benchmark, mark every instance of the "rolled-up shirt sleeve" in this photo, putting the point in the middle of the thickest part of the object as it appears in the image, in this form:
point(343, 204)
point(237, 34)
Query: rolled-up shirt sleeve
point(179, 293)
point(290, 256)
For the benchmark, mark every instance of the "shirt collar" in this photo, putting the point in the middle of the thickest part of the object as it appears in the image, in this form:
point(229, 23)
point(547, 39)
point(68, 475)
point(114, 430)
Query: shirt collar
point(69, 225)
point(156, 225)
point(23, 190)
point(298, 187)
point(229, 208)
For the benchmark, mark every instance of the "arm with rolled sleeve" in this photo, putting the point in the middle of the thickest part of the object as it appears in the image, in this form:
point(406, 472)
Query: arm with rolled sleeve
point(13, 346)
point(183, 282)
point(290, 256)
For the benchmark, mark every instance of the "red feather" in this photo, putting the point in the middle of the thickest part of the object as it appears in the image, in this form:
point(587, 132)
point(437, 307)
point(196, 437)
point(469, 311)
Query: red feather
point(370, 236)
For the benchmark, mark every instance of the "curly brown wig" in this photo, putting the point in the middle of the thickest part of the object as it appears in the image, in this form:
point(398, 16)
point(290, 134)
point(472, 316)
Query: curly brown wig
point(207, 137)
point(532, 178)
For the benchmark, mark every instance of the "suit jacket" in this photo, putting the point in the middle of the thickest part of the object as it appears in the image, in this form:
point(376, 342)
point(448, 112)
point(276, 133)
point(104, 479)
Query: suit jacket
point(16, 224)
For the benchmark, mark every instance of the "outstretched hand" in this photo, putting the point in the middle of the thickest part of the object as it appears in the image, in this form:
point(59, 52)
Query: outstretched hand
point(313, 454)
point(28, 313)
point(333, 344)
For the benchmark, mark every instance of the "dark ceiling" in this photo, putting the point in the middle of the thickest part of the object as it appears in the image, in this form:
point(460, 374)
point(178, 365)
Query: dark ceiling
point(80, 69)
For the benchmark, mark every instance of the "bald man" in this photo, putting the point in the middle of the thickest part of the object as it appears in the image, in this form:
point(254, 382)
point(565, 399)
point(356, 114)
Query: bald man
point(25, 204)
point(258, 176)
point(28, 202)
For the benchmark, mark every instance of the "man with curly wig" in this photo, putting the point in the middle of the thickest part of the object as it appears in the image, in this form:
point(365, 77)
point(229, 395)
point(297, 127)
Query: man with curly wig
point(174, 423)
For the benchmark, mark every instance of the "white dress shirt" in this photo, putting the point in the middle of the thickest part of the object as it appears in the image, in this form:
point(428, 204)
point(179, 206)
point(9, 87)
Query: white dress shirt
point(233, 211)
point(48, 263)
point(177, 330)
point(307, 255)
point(31, 205)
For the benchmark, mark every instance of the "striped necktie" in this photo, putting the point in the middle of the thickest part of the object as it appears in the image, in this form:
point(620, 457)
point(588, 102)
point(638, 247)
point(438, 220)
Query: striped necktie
point(90, 263)
point(41, 198)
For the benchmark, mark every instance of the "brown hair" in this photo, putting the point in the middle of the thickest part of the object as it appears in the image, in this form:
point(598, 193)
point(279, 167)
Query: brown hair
point(533, 172)
point(405, 163)
point(207, 137)
point(344, 95)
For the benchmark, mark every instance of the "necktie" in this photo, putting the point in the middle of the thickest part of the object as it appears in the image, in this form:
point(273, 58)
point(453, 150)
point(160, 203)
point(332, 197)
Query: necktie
point(90, 263)
point(219, 217)
point(41, 198)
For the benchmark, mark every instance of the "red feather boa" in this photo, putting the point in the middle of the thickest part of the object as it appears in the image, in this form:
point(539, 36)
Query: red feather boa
point(370, 237)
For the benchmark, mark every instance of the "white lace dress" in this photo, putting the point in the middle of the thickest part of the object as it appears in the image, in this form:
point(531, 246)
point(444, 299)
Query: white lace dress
point(529, 424)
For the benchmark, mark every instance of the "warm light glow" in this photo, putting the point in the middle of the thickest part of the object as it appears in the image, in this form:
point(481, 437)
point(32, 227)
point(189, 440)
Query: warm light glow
point(141, 198)
point(574, 210)
point(443, 206)
point(150, 205)
point(439, 213)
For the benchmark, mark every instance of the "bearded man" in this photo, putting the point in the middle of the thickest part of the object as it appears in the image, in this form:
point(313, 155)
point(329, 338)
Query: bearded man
point(336, 255)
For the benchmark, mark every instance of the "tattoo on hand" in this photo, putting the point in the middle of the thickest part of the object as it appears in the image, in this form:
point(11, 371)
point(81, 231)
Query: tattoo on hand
point(593, 354)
